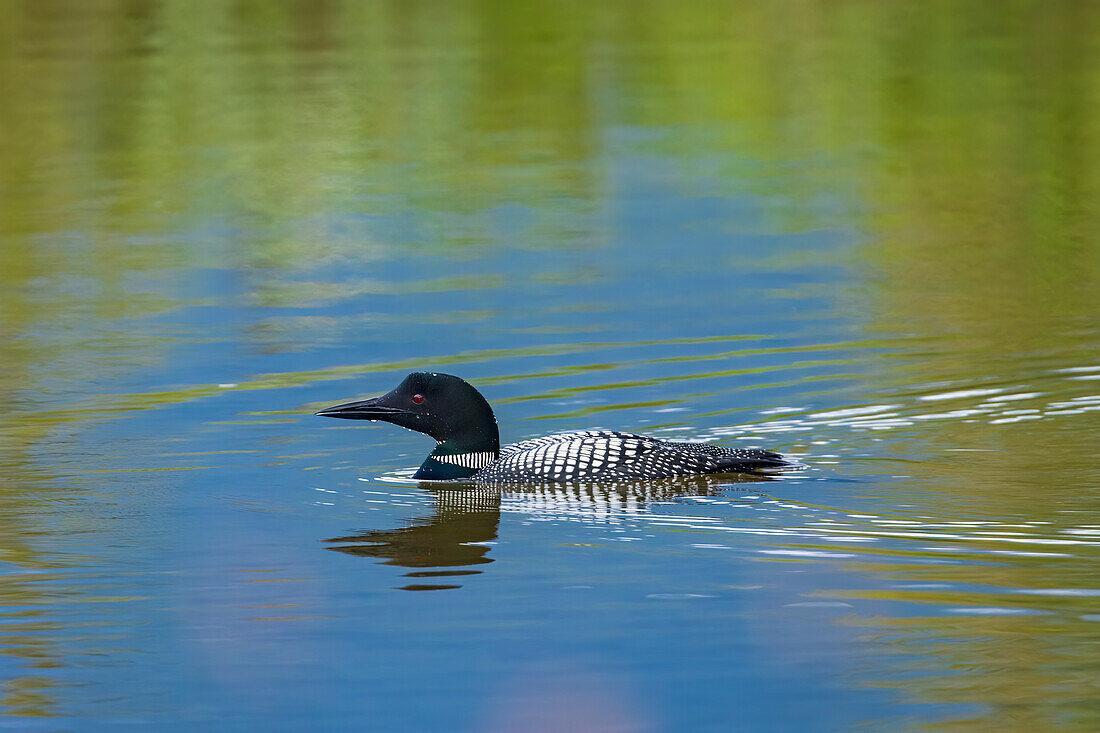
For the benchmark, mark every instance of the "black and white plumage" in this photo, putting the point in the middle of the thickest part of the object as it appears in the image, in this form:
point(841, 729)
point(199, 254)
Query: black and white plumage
point(468, 444)
point(607, 455)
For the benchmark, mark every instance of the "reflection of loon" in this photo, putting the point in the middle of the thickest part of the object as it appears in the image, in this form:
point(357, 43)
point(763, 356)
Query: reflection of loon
point(466, 517)
point(446, 540)
point(461, 421)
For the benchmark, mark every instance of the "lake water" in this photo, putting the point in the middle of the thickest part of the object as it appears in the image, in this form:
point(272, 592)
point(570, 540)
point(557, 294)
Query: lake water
point(866, 235)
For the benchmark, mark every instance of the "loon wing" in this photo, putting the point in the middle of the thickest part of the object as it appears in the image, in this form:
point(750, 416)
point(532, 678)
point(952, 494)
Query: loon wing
point(607, 455)
point(591, 455)
point(585, 436)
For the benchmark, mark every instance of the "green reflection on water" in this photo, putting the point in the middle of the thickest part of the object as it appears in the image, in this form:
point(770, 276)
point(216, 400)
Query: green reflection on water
point(968, 134)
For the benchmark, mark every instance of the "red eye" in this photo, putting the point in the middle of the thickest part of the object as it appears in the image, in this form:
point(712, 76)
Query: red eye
point(418, 398)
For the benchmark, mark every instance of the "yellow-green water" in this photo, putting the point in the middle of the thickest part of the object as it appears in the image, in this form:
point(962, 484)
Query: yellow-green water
point(865, 234)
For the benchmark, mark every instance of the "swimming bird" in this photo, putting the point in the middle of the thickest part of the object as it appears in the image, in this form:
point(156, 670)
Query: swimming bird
point(468, 448)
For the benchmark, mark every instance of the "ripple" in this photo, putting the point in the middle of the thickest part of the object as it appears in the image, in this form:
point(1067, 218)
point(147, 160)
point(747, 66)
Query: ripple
point(958, 394)
point(993, 611)
point(806, 553)
point(678, 596)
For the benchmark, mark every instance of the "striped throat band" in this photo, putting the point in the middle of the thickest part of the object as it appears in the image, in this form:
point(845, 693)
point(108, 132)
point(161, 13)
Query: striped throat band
point(468, 460)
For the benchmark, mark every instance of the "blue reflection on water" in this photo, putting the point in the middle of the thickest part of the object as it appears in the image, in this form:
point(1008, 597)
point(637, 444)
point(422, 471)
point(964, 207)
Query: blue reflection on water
point(192, 578)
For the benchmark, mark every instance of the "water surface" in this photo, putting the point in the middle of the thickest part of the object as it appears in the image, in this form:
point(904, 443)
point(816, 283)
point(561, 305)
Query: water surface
point(863, 235)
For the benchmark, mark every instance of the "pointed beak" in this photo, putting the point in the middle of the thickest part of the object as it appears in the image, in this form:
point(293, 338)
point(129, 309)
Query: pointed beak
point(371, 409)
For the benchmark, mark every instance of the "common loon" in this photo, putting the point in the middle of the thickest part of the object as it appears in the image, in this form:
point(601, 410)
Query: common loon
point(454, 413)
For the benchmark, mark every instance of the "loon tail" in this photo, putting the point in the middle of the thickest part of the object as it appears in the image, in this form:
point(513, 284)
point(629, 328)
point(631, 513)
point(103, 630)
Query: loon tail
point(757, 460)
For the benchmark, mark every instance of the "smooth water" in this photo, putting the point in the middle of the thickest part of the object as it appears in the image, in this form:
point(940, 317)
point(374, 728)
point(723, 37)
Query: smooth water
point(863, 234)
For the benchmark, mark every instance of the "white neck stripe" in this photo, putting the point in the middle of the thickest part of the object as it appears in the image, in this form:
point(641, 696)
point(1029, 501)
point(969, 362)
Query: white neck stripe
point(469, 460)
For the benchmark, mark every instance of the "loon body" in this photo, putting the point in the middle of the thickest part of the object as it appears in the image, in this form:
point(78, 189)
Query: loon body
point(468, 442)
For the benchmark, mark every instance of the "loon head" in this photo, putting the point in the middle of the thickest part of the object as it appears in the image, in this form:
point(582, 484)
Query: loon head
point(440, 405)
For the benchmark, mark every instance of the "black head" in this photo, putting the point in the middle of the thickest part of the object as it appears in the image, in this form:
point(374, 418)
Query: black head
point(443, 406)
